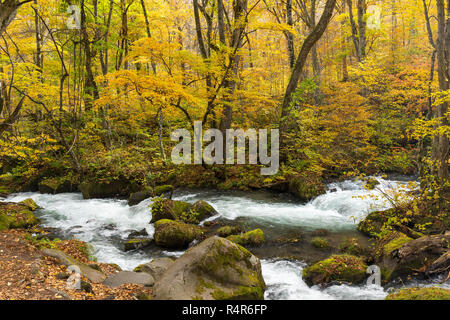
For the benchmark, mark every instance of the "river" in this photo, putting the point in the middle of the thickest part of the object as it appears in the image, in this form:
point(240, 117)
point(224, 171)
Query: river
point(106, 223)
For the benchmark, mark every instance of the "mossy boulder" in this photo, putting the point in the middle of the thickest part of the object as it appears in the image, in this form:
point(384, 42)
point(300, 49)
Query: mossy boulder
point(30, 204)
point(371, 183)
point(56, 185)
point(306, 187)
point(109, 189)
point(175, 234)
point(320, 243)
point(252, 238)
point(228, 231)
point(168, 209)
point(161, 190)
point(373, 223)
point(420, 294)
point(214, 269)
point(180, 210)
point(344, 268)
point(198, 212)
point(137, 197)
point(16, 215)
point(135, 244)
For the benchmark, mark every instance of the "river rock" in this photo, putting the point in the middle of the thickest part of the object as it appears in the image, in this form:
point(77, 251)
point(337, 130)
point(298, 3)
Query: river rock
point(162, 190)
point(137, 197)
point(228, 231)
point(168, 209)
point(252, 238)
point(16, 215)
point(175, 234)
point(65, 259)
point(115, 188)
point(340, 268)
point(130, 277)
point(306, 187)
point(30, 204)
point(135, 244)
point(56, 185)
point(155, 268)
point(214, 269)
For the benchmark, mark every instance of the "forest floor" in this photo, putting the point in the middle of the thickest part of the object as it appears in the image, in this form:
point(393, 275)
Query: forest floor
point(26, 274)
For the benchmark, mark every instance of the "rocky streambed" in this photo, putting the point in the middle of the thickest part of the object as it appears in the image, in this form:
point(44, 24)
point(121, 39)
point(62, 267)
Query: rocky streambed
point(296, 234)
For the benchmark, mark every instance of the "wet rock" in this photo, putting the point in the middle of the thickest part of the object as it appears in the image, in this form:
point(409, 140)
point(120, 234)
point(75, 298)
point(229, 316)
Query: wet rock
point(65, 259)
point(351, 246)
point(214, 269)
point(118, 279)
point(162, 190)
point(252, 238)
point(175, 234)
point(198, 212)
point(320, 233)
point(115, 188)
point(155, 268)
point(135, 244)
point(136, 234)
point(137, 197)
point(228, 231)
point(306, 187)
point(342, 268)
point(56, 185)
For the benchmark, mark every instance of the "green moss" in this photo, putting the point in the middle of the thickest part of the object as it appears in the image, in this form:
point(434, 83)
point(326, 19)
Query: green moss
point(160, 190)
point(420, 294)
point(228, 231)
point(168, 209)
point(306, 187)
point(320, 243)
point(162, 221)
point(241, 293)
point(4, 222)
point(175, 234)
point(346, 268)
point(372, 224)
point(30, 204)
point(197, 212)
point(371, 183)
point(254, 237)
point(396, 243)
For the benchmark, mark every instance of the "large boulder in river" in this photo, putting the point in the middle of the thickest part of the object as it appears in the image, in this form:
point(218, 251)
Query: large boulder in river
point(306, 187)
point(16, 215)
point(401, 256)
point(340, 268)
point(110, 189)
point(155, 268)
point(214, 269)
point(163, 190)
point(175, 234)
point(180, 210)
point(56, 185)
point(168, 209)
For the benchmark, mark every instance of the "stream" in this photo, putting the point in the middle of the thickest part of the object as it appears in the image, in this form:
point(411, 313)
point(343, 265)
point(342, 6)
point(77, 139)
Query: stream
point(106, 223)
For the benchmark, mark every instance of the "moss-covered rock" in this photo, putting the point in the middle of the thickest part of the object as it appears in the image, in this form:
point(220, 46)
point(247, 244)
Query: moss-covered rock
point(175, 234)
point(306, 187)
point(320, 243)
point(371, 183)
point(228, 231)
point(214, 269)
point(345, 268)
point(16, 215)
point(56, 185)
point(168, 209)
point(420, 294)
point(110, 189)
point(161, 190)
point(252, 238)
point(30, 204)
point(180, 210)
point(198, 212)
point(137, 197)
point(373, 223)
point(135, 244)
